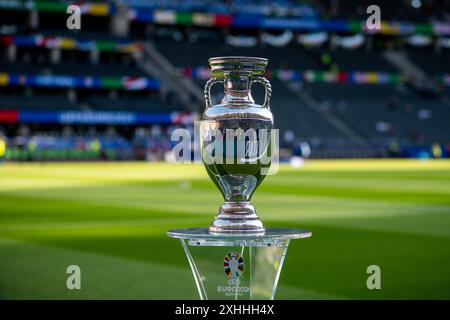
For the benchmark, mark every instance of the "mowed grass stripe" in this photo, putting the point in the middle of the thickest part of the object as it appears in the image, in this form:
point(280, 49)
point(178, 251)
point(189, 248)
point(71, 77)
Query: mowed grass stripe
point(105, 204)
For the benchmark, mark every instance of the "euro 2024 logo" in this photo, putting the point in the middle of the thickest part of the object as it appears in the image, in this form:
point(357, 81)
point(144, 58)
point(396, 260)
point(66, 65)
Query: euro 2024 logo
point(233, 265)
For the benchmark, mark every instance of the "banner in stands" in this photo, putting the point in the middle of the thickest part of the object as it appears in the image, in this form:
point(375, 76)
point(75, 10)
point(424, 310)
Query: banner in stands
point(262, 8)
point(88, 82)
point(96, 117)
point(315, 39)
point(239, 20)
point(354, 77)
point(357, 77)
point(281, 40)
point(93, 8)
point(241, 41)
point(419, 40)
point(348, 42)
point(243, 20)
point(65, 43)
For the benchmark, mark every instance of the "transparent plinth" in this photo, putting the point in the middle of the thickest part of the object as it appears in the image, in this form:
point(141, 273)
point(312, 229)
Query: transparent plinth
point(236, 266)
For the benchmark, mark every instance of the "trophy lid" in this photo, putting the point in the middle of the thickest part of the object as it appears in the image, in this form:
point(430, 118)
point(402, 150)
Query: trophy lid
point(219, 65)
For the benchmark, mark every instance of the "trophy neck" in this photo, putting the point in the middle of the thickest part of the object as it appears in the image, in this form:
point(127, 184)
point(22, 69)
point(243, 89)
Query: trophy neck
point(237, 88)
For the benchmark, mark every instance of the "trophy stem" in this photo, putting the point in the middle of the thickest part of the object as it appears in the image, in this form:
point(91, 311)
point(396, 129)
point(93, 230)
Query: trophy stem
point(237, 217)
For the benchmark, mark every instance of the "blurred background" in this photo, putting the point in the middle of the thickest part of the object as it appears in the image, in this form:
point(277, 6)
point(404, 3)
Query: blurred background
point(116, 88)
point(75, 102)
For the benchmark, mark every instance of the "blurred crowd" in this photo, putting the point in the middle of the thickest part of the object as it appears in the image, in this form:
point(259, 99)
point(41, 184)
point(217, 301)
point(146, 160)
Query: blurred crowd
point(151, 143)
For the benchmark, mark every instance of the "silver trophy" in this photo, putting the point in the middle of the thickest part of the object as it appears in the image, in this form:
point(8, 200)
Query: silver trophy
point(236, 149)
point(237, 257)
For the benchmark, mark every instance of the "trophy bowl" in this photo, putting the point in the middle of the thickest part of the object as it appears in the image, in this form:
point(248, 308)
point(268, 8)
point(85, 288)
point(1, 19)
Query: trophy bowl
point(236, 141)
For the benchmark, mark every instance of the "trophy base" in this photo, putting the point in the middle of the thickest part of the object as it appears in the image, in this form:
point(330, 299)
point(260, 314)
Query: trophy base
point(237, 217)
point(236, 266)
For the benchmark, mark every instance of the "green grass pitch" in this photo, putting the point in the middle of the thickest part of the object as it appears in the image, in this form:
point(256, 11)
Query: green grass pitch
point(111, 220)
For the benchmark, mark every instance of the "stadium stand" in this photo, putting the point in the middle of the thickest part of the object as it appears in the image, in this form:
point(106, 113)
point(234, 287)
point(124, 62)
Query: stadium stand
point(386, 111)
point(294, 57)
point(392, 10)
point(433, 64)
point(129, 84)
point(358, 61)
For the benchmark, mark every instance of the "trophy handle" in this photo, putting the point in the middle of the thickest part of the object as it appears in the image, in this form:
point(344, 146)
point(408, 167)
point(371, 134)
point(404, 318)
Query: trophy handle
point(268, 88)
point(207, 91)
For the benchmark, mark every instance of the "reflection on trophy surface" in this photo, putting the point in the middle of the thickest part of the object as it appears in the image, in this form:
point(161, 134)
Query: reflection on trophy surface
point(236, 141)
